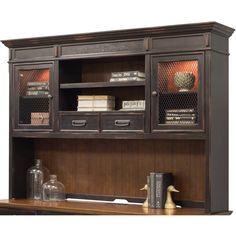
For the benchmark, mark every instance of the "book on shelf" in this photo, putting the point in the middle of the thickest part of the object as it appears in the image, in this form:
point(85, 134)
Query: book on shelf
point(132, 109)
point(37, 93)
point(191, 110)
point(87, 109)
point(180, 122)
point(159, 183)
point(180, 116)
point(126, 79)
point(96, 103)
point(128, 74)
point(36, 84)
point(135, 104)
point(38, 88)
point(95, 97)
point(173, 118)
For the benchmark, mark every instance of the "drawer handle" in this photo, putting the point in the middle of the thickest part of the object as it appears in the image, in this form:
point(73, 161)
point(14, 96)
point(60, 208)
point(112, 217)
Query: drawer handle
point(79, 123)
point(122, 123)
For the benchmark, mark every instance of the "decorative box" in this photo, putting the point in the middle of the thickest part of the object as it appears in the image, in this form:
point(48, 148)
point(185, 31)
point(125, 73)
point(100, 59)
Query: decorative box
point(39, 118)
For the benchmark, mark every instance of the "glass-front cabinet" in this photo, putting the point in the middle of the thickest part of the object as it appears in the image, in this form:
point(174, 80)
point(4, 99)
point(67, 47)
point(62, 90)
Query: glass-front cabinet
point(33, 96)
point(177, 92)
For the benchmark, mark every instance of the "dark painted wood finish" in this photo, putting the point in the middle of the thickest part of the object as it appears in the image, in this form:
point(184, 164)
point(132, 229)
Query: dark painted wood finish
point(115, 161)
point(124, 34)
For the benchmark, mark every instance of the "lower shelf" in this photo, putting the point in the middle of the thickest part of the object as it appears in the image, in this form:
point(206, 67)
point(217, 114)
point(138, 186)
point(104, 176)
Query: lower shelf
point(23, 207)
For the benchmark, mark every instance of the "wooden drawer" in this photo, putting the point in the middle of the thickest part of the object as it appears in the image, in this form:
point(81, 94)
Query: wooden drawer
point(188, 42)
point(122, 122)
point(84, 122)
point(31, 53)
point(103, 47)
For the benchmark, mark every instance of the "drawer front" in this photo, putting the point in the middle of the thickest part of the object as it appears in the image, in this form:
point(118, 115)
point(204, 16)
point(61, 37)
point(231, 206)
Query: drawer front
point(88, 122)
point(103, 47)
point(189, 42)
point(122, 123)
point(31, 53)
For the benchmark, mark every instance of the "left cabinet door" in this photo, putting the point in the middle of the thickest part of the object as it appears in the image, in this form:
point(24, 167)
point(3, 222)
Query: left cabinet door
point(33, 100)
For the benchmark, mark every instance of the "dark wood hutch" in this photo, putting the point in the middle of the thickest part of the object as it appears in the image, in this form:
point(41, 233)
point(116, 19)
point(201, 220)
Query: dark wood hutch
point(100, 159)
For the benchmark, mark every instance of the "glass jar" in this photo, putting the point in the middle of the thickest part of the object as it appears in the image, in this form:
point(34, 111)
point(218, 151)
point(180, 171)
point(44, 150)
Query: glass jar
point(36, 176)
point(53, 190)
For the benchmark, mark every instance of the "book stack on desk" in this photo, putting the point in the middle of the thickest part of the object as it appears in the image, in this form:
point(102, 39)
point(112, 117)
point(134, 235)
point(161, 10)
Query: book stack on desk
point(127, 76)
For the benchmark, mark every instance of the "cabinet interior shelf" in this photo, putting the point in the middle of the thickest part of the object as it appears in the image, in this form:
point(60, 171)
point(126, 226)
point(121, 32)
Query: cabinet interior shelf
point(35, 97)
point(179, 93)
point(101, 84)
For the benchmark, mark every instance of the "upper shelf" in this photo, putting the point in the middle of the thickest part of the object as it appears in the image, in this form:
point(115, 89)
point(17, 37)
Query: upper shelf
point(101, 84)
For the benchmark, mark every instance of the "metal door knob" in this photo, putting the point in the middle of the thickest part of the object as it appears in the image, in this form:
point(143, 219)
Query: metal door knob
point(49, 96)
point(154, 93)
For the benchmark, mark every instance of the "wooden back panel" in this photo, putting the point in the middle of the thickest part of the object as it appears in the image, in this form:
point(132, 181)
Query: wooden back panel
point(119, 167)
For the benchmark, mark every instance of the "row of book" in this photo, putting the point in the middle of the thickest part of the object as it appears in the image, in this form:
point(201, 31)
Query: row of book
point(180, 116)
point(127, 76)
point(37, 88)
point(158, 183)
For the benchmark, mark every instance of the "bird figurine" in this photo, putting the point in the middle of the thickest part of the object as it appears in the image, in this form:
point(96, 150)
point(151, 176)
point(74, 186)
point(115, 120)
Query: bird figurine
point(145, 204)
point(169, 202)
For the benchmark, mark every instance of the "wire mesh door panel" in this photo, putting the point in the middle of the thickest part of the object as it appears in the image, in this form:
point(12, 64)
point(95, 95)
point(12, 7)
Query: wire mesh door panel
point(33, 89)
point(178, 88)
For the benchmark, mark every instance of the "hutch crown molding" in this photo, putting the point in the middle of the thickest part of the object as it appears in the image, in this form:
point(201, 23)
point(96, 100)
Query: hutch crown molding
point(108, 154)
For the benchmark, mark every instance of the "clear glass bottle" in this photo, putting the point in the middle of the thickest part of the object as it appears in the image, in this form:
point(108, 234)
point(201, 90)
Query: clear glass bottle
point(36, 176)
point(53, 190)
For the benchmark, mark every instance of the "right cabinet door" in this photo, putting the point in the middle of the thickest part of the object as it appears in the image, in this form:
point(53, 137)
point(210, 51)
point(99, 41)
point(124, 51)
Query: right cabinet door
point(177, 93)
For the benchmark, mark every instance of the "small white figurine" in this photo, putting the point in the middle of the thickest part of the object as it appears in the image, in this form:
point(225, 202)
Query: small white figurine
point(145, 204)
point(169, 202)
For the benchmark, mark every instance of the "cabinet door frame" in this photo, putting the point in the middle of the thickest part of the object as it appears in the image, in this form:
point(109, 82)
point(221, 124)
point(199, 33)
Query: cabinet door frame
point(158, 58)
point(16, 107)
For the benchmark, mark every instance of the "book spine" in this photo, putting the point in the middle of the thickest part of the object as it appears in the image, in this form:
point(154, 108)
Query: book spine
point(133, 73)
point(180, 118)
point(180, 115)
point(33, 84)
point(180, 122)
point(152, 190)
point(36, 93)
point(159, 191)
point(128, 79)
point(116, 74)
point(38, 88)
point(179, 110)
point(127, 74)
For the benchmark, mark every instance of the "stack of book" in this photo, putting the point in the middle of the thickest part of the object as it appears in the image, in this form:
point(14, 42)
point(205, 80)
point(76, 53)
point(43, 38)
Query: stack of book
point(180, 116)
point(127, 76)
point(96, 103)
point(157, 188)
point(37, 88)
point(134, 105)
